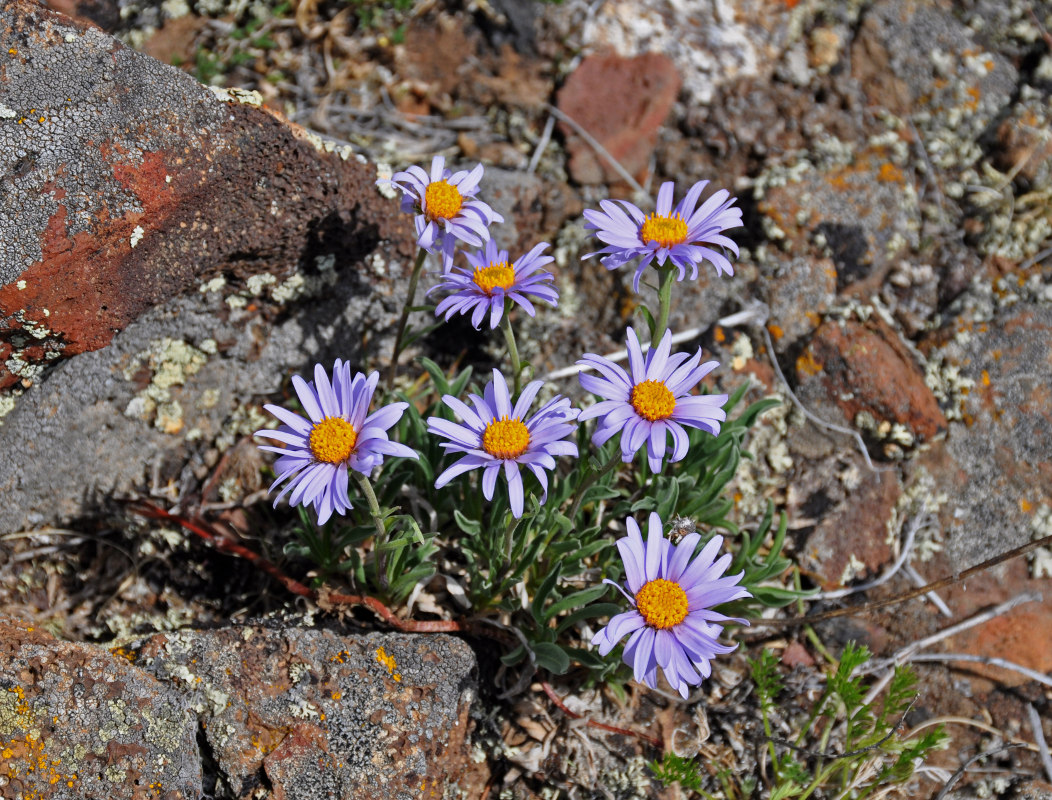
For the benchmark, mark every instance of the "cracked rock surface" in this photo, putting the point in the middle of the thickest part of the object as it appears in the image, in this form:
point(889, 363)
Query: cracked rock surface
point(302, 713)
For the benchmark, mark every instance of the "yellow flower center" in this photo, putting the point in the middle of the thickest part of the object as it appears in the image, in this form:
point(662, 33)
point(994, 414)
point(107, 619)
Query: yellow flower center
point(666, 231)
point(489, 278)
point(442, 200)
point(505, 438)
point(652, 400)
point(332, 440)
point(662, 603)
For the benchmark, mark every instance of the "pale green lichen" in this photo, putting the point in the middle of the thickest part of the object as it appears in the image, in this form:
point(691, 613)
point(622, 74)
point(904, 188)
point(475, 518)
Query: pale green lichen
point(235, 95)
point(1041, 558)
point(171, 363)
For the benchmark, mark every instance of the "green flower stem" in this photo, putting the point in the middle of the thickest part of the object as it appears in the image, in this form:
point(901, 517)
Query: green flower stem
point(590, 480)
point(378, 521)
point(414, 279)
point(509, 537)
point(664, 305)
point(513, 351)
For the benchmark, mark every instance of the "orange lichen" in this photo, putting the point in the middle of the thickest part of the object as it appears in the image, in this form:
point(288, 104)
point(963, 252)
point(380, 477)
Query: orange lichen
point(389, 662)
point(986, 378)
point(806, 364)
point(889, 173)
point(1025, 505)
point(775, 331)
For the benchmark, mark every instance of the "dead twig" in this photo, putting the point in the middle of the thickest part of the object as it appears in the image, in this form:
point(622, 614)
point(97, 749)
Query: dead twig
point(941, 583)
point(548, 690)
point(960, 771)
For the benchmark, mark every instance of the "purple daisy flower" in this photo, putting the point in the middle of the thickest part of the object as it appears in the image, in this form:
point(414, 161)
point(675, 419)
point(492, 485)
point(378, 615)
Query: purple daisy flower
point(682, 235)
point(495, 435)
point(653, 401)
point(340, 435)
point(672, 624)
point(445, 208)
point(490, 279)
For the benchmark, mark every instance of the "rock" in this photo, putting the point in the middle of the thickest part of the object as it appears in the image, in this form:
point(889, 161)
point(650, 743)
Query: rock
point(867, 373)
point(1031, 790)
point(710, 45)
point(994, 465)
point(860, 211)
point(318, 715)
point(641, 89)
point(135, 183)
point(851, 541)
point(798, 292)
point(78, 722)
point(916, 59)
point(175, 253)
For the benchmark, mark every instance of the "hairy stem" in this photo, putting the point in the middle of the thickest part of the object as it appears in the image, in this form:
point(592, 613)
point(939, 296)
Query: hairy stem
point(590, 480)
point(414, 279)
point(664, 306)
point(513, 351)
point(378, 521)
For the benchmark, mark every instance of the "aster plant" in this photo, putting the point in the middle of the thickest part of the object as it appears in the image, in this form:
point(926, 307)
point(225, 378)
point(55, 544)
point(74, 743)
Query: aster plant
point(539, 550)
point(672, 623)
point(492, 286)
point(444, 207)
point(445, 211)
point(499, 437)
point(683, 236)
point(652, 401)
point(338, 437)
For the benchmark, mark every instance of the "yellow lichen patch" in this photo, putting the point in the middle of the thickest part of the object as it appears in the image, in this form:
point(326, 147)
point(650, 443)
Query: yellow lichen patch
point(128, 655)
point(889, 173)
point(1025, 505)
point(340, 657)
point(775, 331)
point(806, 364)
point(986, 378)
point(389, 662)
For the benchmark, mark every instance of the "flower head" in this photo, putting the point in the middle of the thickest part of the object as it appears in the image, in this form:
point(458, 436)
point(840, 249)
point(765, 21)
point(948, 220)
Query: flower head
point(652, 402)
point(340, 434)
point(497, 436)
point(445, 208)
point(672, 624)
point(683, 235)
point(491, 278)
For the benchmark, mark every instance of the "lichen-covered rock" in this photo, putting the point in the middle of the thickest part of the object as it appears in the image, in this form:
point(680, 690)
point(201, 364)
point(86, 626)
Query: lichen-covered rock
point(863, 375)
point(170, 256)
point(994, 466)
point(798, 291)
point(126, 183)
point(858, 208)
point(319, 716)
point(79, 722)
point(914, 58)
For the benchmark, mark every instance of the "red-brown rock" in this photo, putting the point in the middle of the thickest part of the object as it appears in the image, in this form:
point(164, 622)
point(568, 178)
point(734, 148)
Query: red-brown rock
point(621, 102)
point(851, 542)
point(865, 368)
point(134, 183)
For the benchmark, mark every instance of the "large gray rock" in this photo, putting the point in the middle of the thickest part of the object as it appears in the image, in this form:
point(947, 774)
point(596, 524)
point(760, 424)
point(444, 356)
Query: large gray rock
point(321, 716)
point(169, 255)
point(79, 722)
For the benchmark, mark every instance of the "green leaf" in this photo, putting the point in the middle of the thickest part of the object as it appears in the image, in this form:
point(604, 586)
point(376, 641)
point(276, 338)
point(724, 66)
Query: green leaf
point(580, 598)
point(472, 527)
point(551, 657)
point(545, 590)
point(594, 611)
